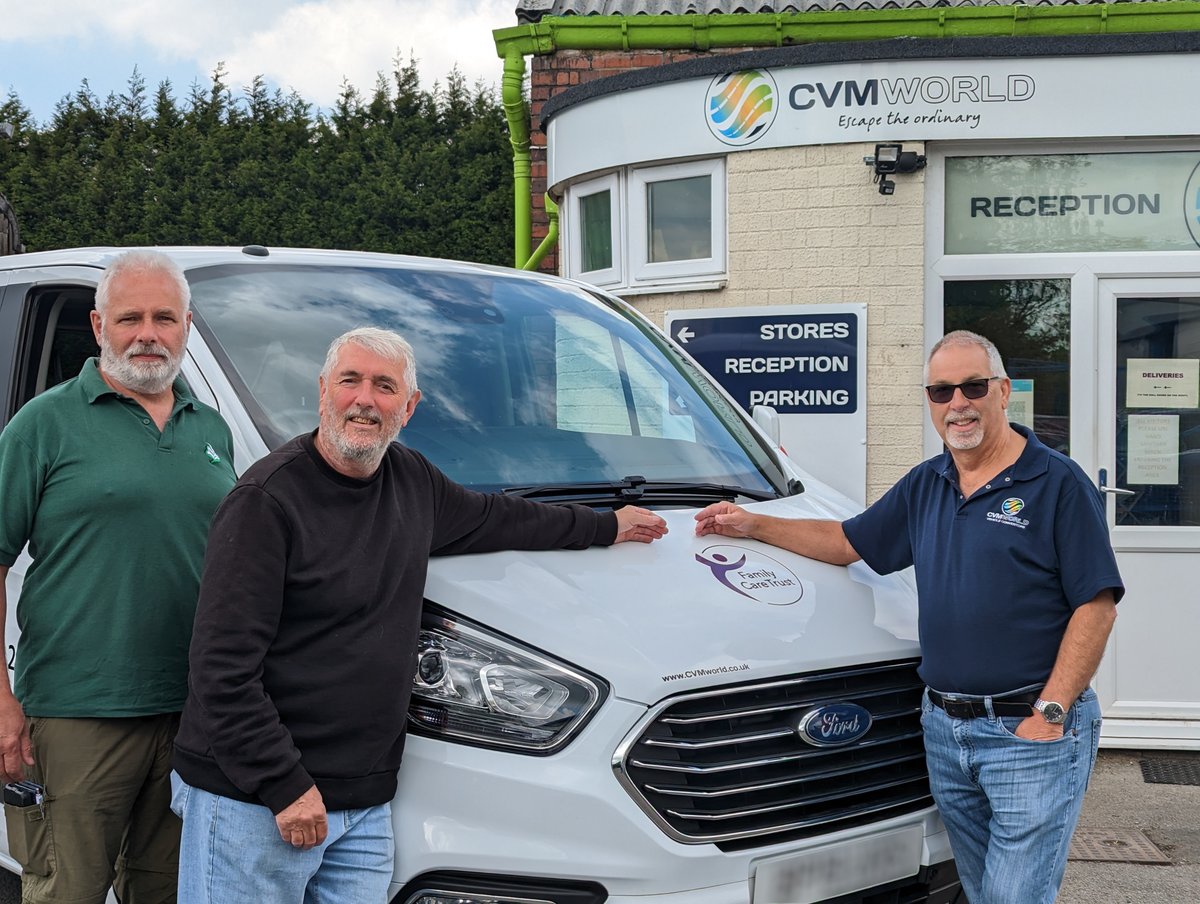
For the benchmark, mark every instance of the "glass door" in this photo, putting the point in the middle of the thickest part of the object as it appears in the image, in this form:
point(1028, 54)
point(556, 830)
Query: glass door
point(1150, 411)
point(1148, 461)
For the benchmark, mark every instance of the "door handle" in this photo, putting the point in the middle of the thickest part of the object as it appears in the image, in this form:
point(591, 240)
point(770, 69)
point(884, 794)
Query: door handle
point(1116, 491)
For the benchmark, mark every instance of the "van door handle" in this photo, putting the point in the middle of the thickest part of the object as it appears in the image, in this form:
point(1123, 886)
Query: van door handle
point(1116, 491)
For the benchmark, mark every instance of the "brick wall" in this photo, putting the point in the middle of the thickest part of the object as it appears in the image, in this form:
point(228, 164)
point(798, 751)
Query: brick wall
point(807, 226)
point(551, 75)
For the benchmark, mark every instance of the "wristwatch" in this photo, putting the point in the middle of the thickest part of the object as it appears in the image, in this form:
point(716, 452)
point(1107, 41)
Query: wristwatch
point(1052, 712)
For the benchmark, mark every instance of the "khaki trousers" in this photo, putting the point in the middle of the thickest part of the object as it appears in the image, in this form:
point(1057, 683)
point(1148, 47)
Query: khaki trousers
point(106, 818)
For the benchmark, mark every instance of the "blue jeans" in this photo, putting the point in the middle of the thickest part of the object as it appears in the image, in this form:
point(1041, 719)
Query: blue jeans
point(1010, 805)
point(231, 853)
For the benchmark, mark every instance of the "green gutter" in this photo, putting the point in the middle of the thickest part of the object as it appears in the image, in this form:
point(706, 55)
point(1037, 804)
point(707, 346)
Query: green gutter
point(754, 30)
point(631, 33)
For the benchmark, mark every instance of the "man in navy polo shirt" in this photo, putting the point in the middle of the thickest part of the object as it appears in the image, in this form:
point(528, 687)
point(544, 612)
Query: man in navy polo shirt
point(1018, 587)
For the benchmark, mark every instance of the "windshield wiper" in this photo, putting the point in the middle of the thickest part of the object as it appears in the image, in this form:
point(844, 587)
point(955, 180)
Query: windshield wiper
point(635, 490)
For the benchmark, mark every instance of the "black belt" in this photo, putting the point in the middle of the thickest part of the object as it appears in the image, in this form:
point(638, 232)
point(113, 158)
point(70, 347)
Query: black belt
point(974, 708)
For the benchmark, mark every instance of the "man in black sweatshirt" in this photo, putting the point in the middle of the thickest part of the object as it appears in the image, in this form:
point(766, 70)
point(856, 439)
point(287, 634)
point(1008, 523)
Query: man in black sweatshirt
point(305, 639)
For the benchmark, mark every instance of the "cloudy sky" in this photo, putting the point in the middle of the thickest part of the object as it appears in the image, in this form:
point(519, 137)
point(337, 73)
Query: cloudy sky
point(47, 47)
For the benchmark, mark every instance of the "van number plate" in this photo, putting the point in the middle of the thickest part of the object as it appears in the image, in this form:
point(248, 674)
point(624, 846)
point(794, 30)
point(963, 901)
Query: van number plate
point(839, 869)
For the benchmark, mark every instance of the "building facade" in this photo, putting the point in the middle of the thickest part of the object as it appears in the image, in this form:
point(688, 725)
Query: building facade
point(1030, 172)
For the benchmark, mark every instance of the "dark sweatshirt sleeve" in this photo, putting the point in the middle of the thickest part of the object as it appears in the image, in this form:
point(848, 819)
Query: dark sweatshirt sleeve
point(237, 618)
point(467, 521)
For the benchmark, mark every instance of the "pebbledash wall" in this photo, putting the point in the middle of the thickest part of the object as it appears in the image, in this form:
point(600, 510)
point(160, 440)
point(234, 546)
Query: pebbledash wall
point(799, 220)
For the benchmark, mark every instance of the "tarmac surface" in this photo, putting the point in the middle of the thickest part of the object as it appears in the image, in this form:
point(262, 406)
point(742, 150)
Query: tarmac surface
point(1123, 816)
point(1119, 801)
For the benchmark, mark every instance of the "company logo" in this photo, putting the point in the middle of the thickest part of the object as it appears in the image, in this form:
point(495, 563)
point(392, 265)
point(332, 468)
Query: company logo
point(834, 725)
point(1010, 508)
point(1191, 204)
point(740, 106)
point(752, 575)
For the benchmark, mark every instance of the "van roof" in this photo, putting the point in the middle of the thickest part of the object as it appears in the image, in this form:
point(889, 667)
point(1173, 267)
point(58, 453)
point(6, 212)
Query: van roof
point(190, 257)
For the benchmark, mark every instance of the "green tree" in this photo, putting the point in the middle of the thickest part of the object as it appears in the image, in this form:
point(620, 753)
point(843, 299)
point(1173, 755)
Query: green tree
point(403, 170)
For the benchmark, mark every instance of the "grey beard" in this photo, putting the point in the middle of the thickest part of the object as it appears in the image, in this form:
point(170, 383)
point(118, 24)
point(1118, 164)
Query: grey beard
point(146, 379)
point(361, 453)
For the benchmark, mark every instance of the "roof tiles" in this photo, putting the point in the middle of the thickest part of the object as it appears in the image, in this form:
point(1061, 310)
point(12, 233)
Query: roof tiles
point(534, 10)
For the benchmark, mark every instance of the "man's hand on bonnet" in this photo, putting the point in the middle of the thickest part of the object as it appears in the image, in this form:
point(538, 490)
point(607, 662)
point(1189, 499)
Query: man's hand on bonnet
point(724, 519)
point(638, 525)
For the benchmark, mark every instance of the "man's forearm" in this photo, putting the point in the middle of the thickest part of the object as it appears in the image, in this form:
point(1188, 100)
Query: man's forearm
point(817, 539)
point(5, 686)
point(16, 750)
point(1081, 649)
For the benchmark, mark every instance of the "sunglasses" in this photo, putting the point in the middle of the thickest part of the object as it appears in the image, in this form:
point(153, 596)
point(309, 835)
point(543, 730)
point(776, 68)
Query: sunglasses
point(941, 393)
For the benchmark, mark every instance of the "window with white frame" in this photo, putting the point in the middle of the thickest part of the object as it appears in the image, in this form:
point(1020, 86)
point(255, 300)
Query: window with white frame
point(594, 233)
point(649, 226)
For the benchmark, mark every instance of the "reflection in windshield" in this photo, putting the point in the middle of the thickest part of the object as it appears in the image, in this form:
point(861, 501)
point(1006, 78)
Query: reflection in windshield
point(523, 382)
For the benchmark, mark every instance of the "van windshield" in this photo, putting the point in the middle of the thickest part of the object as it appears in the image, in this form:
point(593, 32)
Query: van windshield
point(524, 383)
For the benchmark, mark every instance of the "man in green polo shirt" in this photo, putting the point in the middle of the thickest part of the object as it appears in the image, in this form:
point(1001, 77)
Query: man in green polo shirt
point(111, 478)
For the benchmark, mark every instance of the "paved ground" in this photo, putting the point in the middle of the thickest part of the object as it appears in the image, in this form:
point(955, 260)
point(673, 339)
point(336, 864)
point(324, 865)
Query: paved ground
point(1169, 815)
point(1117, 801)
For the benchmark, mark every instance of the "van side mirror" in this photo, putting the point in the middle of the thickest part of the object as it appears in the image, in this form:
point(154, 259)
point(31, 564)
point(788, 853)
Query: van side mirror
point(767, 418)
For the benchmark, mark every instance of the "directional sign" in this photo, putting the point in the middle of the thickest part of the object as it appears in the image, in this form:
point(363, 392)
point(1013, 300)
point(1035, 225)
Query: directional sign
point(805, 361)
point(796, 363)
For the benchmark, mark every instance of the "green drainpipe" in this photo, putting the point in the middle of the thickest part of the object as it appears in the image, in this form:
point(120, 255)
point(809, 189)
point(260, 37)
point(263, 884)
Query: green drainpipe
point(551, 238)
point(517, 115)
point(753, 30)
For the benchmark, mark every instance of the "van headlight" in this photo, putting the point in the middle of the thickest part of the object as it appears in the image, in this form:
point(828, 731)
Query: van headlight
point(477, 687)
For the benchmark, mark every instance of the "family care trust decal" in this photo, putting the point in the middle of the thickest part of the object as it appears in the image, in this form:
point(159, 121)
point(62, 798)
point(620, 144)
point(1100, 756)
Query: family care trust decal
point(752, 574)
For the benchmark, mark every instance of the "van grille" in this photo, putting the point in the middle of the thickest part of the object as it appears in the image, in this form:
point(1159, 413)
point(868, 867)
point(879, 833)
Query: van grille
point(728, 766)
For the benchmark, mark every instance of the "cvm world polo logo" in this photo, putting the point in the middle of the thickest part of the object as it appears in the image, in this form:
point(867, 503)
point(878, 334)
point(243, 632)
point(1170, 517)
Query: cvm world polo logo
point(1012, 505)
point(1010, 508)
point(1191, 204)
point(740, 106)
point(834, 725)
point(752, 575)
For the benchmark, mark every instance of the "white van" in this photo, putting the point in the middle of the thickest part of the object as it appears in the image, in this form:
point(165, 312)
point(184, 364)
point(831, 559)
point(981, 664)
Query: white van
point(705, 720)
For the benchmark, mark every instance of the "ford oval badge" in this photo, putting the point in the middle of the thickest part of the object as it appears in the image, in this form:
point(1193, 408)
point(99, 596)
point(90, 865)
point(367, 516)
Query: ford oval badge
point(834, 725)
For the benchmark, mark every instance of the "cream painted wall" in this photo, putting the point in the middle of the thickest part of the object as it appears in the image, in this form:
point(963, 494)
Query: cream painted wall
point(807, 226)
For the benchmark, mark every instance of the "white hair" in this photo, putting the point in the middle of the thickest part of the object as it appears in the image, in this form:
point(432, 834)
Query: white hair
point(141, 262)
point(385, 343)
point(960, 338)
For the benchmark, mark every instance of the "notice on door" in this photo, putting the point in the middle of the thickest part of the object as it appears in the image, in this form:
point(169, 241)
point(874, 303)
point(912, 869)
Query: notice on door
point(1020, 403)
point(1154, 449)
point(1162, 383)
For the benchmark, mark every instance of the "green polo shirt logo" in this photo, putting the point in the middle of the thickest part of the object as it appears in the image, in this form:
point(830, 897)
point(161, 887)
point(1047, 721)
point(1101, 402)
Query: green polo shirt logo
point(212, 454)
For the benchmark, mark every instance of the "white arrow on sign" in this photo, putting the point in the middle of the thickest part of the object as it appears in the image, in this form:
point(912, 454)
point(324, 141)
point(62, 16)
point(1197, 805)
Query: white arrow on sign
point(684, 335)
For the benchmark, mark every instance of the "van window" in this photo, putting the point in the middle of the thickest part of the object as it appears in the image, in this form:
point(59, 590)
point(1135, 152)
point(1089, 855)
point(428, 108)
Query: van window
point(57, 339)
point(523, 382)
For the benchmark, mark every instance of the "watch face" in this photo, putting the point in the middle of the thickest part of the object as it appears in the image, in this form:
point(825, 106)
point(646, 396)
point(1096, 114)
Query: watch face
point(1053, 713)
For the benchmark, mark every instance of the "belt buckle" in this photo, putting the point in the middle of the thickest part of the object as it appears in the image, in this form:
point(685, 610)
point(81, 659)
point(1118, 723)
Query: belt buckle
point(958, 709)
